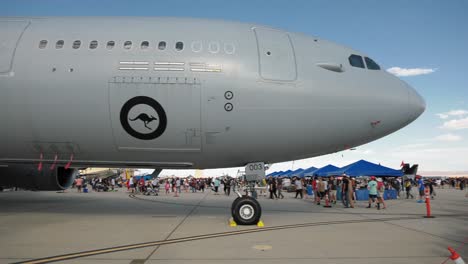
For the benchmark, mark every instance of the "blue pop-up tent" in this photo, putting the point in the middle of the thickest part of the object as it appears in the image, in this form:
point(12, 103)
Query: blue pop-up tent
point(365, 168)
point(308, 172)
point(284, 173)
point(272, 174)
point(278, 173)
point(323, 172)
point(295, 173)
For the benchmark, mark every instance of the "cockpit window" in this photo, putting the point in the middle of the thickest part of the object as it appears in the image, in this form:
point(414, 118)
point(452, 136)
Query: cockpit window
point(356, 61)
point(371, 65)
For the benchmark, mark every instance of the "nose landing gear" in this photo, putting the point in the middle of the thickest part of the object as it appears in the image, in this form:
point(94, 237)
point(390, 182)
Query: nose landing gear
point(246, 210)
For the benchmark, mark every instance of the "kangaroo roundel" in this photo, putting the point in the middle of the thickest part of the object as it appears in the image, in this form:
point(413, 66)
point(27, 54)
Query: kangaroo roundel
point(143, 117)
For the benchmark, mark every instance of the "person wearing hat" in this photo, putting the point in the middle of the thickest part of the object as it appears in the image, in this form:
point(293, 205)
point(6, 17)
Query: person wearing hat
point(380, 192)
point(372, 186)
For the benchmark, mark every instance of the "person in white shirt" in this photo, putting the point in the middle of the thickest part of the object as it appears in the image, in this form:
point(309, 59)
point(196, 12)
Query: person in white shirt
point(299, 187)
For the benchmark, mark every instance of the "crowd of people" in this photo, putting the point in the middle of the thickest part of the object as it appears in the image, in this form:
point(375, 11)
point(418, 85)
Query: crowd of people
point(321, 189)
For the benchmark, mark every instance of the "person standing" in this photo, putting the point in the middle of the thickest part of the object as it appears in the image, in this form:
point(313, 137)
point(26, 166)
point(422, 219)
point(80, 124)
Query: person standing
point(216, 186)
point(279, 187)
point(112, 184)
point(321, 190)
point(272, 188)
point(421, 189)
point(372, 187)
point(202, 185)
point(352, 192)
point(299, 186)
point(431, 188)
point(177, 189)
point(227, 186)
point(344, 191)
point(408, 189)
point(332, 190)
point(315, 190)
point(167, 187)
point(380, 193)
point(132, 184)
point(396, 185)
point(79, 183)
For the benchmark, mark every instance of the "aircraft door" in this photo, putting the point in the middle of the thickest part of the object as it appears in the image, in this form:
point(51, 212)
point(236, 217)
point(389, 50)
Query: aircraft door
point(276, 55)
point(156, 114)
point(10, 32)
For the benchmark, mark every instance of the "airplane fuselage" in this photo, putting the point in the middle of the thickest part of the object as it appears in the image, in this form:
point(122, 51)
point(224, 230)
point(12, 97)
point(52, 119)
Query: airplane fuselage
point(185, 93)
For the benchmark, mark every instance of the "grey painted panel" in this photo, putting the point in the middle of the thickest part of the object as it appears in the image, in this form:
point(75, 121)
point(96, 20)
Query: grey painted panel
point(10, 32)
point(277, 60)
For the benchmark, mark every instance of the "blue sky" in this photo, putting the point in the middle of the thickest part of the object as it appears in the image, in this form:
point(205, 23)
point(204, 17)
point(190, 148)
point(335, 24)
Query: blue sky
point(428, 37)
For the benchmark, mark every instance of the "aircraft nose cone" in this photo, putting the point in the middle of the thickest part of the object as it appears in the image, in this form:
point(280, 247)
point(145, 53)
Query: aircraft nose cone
point(416, 104)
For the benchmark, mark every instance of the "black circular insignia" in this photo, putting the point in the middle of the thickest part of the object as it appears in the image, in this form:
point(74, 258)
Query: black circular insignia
point(143, 117)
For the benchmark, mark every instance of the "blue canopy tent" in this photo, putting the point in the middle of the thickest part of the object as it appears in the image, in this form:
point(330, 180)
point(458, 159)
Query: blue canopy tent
point(365, 168)
point(284, 173)
point(323, 172)
point(308, 172)
point(272, 174)
point(295, 173)
point(276, 173)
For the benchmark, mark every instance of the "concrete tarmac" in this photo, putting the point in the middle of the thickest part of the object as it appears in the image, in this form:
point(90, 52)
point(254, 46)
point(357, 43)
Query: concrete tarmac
point(192, 228)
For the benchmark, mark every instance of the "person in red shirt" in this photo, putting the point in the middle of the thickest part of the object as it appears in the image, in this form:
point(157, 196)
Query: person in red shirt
point(79, 184)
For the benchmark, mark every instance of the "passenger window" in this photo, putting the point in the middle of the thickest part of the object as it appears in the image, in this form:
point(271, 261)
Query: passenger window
point(162, 45)
point(76, 44)
point(43, 44)
point(356, 61)
point(213, 47)
point(179, 46)
point(59, 44)
point(144, 45)
point(127, 44)
point(93, 44)
point(197, 46)
point(110, 45)
point(371, 65)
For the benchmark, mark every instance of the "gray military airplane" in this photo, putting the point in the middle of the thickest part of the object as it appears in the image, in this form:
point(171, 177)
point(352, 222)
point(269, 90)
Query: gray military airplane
point(80, 92)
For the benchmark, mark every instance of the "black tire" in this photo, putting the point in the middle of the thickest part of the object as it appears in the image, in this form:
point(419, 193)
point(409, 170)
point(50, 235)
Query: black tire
point(247, 211)
point(234, 204)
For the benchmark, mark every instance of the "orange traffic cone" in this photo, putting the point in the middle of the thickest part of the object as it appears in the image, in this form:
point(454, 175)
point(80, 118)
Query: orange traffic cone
point(455, 257)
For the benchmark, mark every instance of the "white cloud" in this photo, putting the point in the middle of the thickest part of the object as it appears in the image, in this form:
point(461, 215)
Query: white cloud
point(456, 124)
point(457, 113)
point(409, 72)
point(448, 137)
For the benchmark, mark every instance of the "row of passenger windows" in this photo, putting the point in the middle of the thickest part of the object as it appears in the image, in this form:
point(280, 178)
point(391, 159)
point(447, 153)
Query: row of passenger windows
point(179, 46)
point(357, 61)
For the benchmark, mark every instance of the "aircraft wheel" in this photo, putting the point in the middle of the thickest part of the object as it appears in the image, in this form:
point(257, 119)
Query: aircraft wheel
point(234, 204)
point(246, 211)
